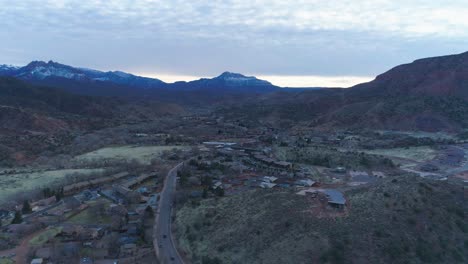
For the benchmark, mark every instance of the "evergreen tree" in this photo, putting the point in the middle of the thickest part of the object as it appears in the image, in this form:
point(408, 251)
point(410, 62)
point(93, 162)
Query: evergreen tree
point(18, 219)
point(26, 207)
point(220, 192)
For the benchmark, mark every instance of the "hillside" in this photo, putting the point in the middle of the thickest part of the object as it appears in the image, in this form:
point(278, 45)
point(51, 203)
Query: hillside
point(426, 95)
point(400, 220)
point(36, 118)
point(438, 76)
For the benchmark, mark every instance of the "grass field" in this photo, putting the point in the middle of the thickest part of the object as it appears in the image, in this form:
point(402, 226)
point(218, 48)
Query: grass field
point(16, 183)
point(43, 237)
point(143, 154)
point(414, 153)
point(93, 215)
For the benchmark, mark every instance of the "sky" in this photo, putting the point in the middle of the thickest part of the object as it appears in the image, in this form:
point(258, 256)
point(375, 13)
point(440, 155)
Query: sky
point(303, 43)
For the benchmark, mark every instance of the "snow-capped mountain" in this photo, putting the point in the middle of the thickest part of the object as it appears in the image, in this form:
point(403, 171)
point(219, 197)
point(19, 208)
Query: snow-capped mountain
point(8, 68)
point(228, 81)
point(95, 82)
point(236, 79)
point(42, 71)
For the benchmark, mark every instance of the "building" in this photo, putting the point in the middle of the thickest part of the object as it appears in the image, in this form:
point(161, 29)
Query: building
point(305, 182)
point(128, 250)
point(269, 179)
point(283, 164)
point(217, 185)
point(336, 198)
point(37, 261)
point(266, 185)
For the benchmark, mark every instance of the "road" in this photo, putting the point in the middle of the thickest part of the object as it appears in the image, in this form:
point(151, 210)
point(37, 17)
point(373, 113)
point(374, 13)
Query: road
point(163, 240)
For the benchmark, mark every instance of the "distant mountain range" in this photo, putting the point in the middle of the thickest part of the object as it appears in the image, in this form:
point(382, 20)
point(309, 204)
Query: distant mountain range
point(428, 94)
point(117, 83)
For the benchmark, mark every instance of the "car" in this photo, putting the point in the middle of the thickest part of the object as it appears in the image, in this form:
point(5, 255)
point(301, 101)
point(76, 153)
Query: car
point(172, 258)
point(164, 236)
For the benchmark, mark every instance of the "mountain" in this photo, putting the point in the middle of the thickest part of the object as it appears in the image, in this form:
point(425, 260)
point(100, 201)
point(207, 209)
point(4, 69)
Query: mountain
point(83, 81)
point(229, 82)
point(437, 76)
point(39, 70)
point(426, 95)
point(429, 94)
point(117, 83)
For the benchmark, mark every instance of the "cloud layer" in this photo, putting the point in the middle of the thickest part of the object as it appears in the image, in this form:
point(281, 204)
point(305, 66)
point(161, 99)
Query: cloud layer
point(205, 37)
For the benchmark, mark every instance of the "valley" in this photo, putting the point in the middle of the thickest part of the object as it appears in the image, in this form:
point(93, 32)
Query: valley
point(232, 169)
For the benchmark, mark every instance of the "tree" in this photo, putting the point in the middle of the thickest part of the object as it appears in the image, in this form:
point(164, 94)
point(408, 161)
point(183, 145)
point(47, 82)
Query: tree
point(26, 207)
point(18, 219)
point(205, 193)
point(149, 211)
point(59, 194)
point(207, 181)
point(219, 192)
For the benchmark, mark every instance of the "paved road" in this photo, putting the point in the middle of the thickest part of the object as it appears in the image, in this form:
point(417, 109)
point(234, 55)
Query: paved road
point(163, 240)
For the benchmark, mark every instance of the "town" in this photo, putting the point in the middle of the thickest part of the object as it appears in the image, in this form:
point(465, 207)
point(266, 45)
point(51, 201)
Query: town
point(115, 218)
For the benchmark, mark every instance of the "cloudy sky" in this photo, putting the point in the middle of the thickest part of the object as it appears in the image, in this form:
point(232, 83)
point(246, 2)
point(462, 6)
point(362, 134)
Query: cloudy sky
point(291, 43)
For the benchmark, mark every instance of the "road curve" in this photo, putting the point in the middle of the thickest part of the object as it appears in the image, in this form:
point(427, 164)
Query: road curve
point(164, 245)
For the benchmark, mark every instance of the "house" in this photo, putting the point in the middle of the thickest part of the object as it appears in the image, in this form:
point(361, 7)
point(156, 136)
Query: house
point(305, 182)
point(339, 170)
point(355, 173)
point(127, 250)
point(217, 185)
point(283, 164)
point(251, 183)
point(266, 185)
point(269, 179)
point(378, 174)
point(86, 261)
point(37, 261)
point(336, 198)
point(126, 194)
point(217, 144)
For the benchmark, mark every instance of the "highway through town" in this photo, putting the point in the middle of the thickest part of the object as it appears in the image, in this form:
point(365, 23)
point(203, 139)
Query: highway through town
point(163, 241)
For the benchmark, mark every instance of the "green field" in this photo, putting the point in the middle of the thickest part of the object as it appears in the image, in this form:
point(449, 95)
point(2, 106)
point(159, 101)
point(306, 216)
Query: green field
point(414, 153)
point(93, 215)
point(43, 237)
point(12, 184)
point(143, 154)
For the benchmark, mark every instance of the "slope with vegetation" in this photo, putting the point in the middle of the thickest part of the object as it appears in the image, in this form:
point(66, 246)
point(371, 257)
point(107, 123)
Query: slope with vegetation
point(399, 220)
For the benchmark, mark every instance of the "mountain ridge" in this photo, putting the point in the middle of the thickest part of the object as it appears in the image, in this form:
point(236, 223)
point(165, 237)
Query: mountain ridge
point(60, 75)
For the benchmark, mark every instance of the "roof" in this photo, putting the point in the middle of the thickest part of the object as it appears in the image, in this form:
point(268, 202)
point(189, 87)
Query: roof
point(269, 178)
point(219, 143)
point(283, 163)
point(305, 182)
point(37, 261)
point(334, 196)
point(267, 185)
